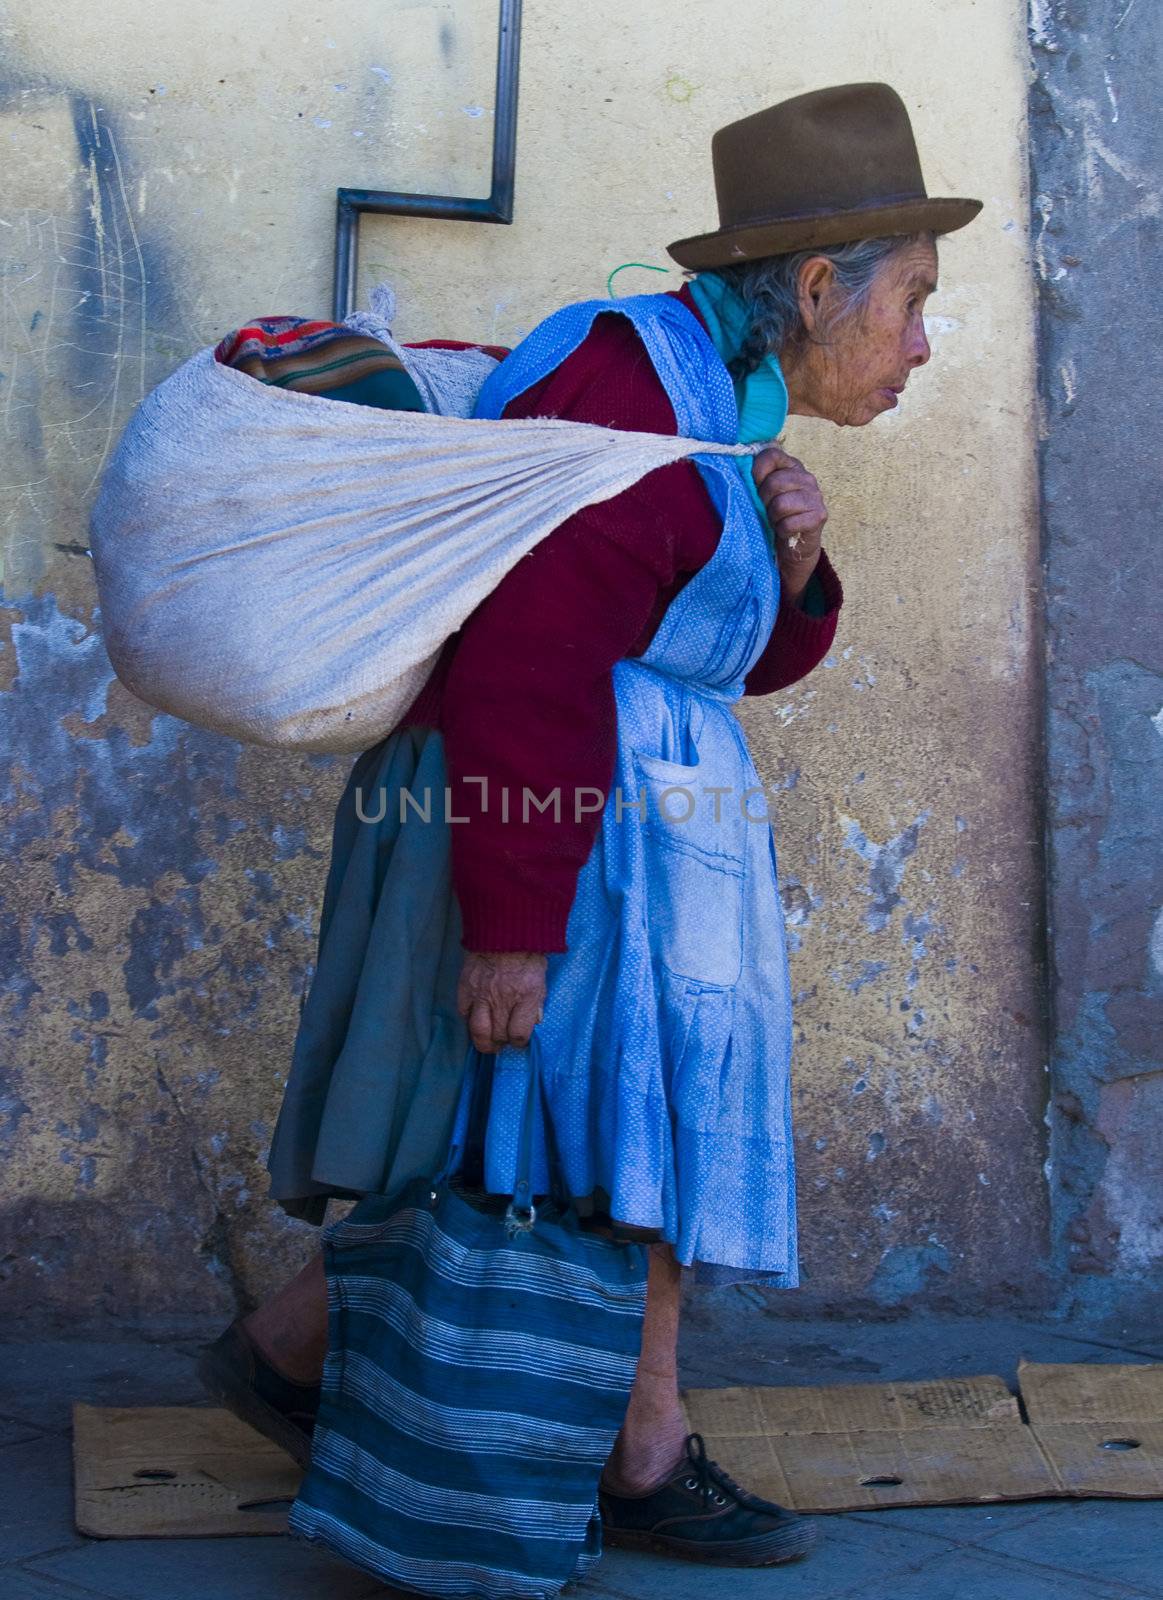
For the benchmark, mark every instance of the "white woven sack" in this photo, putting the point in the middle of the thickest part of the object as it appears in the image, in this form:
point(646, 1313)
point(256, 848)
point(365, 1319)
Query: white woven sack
point(284, 568)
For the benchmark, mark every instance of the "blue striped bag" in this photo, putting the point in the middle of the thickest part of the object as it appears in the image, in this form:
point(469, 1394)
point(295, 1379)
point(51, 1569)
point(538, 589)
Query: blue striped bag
point(478, 1371)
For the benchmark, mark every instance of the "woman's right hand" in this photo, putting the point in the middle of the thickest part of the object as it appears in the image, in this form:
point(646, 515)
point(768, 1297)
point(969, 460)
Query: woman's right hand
point(501, 996)
point(797, 514)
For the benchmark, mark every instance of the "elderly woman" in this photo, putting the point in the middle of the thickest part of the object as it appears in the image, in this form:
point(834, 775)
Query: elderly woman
point(612, 871)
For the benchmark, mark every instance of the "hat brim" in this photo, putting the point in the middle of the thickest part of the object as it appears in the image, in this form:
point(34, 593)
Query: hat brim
point(729, 246)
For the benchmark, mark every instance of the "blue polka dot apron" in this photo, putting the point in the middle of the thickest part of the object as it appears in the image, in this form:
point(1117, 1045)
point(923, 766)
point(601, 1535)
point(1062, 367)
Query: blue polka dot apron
point(665, 1044)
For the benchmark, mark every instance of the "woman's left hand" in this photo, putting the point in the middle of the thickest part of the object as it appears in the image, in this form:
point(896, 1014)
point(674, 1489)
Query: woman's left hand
point(501, 997)
point(797, 513)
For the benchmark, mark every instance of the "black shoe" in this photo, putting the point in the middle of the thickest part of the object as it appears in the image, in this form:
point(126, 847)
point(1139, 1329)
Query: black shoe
point(703, 1515)
point(234, 1373)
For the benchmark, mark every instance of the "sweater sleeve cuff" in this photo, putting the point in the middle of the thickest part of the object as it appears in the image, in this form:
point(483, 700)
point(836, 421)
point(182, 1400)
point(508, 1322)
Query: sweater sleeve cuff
point(804, 634)
point(829, 582)
point(513, 922)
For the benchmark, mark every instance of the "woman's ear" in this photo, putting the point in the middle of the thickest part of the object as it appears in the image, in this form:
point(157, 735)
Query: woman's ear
point(817, 277)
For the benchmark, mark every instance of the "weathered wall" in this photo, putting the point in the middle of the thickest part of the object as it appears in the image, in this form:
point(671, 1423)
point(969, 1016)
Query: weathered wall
point(1097, 163)
point(165, 178)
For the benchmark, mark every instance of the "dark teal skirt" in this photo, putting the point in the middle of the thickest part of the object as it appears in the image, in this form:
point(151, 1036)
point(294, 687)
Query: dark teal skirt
point(380, 1054)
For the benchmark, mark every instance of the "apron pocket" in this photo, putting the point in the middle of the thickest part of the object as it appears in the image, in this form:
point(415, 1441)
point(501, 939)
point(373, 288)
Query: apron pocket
point(694, 873)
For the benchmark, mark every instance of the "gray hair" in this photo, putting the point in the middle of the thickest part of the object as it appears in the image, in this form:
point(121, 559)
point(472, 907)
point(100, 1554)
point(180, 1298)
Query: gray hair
point(770, 290)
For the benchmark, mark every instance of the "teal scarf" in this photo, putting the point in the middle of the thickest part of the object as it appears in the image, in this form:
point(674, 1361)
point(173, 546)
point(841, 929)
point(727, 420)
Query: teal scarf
point(762, 396)
point(762, 399)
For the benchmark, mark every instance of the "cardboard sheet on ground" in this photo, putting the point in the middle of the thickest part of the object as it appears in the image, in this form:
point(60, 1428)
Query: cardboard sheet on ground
point(193, 1472)
point(176, 1472)
point(1092, 1430)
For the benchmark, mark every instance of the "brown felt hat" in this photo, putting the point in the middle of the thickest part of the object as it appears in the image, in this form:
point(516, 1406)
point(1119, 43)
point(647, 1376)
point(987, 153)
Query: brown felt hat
point(824, 168)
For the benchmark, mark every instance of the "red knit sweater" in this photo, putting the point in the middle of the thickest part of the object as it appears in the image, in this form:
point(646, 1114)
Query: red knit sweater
point(523, 693)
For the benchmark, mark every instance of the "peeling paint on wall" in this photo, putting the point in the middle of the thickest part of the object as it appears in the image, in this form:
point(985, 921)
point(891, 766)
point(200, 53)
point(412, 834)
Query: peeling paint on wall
point(156, 870)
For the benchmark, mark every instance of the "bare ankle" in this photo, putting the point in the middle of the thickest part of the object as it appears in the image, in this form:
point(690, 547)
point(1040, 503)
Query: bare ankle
point(641, 1463)
point(290, 1329)
point(298, 1362)
point(643, 1477)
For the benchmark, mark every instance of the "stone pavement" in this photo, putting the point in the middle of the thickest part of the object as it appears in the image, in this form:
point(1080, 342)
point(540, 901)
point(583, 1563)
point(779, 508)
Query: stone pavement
point(1038, 1550)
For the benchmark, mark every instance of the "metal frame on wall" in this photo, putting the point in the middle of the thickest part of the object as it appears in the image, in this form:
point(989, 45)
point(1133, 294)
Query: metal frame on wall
point(498, 207)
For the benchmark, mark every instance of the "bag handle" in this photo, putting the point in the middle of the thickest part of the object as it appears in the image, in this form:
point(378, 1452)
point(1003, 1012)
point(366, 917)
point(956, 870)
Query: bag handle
point(521, 1213)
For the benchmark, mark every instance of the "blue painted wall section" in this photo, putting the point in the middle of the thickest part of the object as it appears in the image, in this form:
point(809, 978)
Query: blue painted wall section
point(156, 932)
point(1097, 192)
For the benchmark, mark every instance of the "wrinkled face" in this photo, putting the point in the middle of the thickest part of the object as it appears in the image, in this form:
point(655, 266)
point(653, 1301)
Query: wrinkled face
point(864, 359)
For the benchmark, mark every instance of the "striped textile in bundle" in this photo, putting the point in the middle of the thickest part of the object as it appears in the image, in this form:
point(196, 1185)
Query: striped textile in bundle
point(332, 359)
point(474, 1386)
point(322, 358)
